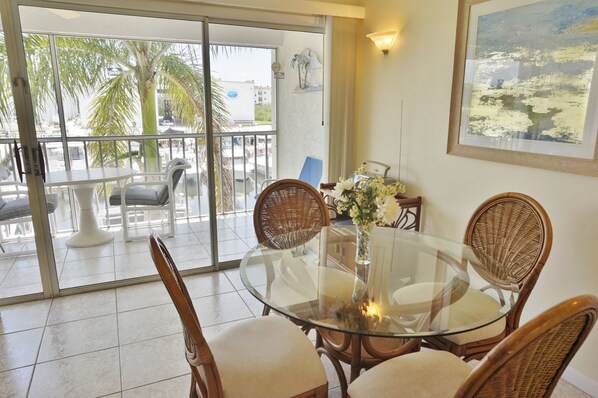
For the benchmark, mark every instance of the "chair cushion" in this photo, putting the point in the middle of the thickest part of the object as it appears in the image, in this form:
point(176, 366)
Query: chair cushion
point(135, 195)
point(472, 307)
point(19, 208)
point(266, 357)
point(425, 374)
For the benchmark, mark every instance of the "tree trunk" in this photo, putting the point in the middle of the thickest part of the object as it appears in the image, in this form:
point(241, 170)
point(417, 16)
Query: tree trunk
point(149, 120)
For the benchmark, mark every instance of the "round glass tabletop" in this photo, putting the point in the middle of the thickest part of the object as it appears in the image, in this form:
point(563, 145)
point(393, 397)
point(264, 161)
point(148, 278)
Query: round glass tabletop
point(417, 285)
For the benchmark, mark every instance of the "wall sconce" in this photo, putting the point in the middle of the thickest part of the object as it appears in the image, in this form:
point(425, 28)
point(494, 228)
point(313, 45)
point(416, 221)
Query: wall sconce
point(383, 40)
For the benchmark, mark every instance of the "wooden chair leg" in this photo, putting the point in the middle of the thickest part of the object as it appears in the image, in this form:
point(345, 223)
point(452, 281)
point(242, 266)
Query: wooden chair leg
point(338, 368)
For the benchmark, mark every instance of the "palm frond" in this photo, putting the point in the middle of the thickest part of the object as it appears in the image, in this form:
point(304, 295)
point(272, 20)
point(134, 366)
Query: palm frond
point(184, 84)
point(83, 62)
point(6, 101)
point(112, 111)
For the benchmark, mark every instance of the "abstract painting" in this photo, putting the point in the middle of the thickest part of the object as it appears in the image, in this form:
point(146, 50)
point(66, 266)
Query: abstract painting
point(525, 86)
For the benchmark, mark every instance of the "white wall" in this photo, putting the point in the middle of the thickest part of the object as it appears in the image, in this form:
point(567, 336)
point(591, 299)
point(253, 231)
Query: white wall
point(418, 73)
point(300, 130)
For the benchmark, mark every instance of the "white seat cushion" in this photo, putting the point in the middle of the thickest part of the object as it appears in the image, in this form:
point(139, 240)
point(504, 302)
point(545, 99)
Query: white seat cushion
point(473, 307)
point(266, 357)
point(425, 374)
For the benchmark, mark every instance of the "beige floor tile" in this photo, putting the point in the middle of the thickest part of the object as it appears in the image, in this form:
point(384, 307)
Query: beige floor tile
point(566, 390)
point(82, 306)
point(148, 323)
point(154, 293)
point(188, 253)
point(3, 271)
point(19, 349)
point(135, 272)
point(7, 261)
point(210, 332)
point(153, 360)
point(235, 257)
point(181, 240)
point(141, 296)
point(90, 252)
point(87, 375)
point(194, 264)
point(176, 387)
point(254, 304)
point(235, 278)
point(125, 262)
point(86, 267)
point(21, 276)
point(16, 317)
point(139, 246)
point(26, 261)
point(245, 231)
point(15, 383)
point(208, 284)
point(78, 337)
point(228, 247)
point(87, 280)
point(15, 291)
point(221, 308)
point(251, 241)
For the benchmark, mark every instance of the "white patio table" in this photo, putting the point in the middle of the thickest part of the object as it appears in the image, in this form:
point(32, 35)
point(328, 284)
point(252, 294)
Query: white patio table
point(83, 183)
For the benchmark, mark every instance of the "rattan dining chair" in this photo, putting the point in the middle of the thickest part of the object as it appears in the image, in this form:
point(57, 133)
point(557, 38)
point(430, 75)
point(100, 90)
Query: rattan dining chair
point(511, 235)
point(528, 363)
point(255, 358)
point(287, 214)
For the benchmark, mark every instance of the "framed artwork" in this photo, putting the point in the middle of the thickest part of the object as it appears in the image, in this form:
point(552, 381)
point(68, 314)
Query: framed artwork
point(525, 83)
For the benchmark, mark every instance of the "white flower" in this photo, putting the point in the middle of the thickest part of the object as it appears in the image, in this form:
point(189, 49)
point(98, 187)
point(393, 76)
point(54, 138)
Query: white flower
point(368, 201)
point(388, 210)
point(341, 187)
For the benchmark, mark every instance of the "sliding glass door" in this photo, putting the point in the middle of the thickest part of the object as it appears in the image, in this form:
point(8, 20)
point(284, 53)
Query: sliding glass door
point(20, 272)
point(119, 95)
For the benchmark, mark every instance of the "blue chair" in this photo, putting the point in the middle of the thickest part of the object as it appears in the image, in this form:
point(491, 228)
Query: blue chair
point(311, 173)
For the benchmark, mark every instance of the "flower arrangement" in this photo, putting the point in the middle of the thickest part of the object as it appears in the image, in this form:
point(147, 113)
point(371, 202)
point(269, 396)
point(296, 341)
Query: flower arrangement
point(368, 200)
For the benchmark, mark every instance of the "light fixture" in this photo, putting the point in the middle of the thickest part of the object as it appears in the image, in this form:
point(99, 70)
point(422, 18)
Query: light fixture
point(383, 40)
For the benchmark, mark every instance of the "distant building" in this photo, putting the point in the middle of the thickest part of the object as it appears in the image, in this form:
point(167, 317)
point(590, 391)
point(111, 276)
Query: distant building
point(238, 100)
point(263, 95)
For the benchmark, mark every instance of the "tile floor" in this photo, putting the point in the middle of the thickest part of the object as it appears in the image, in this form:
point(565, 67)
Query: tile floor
point(118, 260)
point(123, 342)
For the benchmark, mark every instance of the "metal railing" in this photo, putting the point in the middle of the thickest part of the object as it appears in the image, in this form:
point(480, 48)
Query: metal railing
point(242, 161)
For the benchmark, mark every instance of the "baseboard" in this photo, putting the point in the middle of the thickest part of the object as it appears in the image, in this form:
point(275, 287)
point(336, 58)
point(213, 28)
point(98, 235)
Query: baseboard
point(581, 381)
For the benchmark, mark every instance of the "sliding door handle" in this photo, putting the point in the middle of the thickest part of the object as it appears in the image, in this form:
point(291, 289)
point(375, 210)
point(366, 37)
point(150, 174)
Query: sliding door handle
point(17, 153)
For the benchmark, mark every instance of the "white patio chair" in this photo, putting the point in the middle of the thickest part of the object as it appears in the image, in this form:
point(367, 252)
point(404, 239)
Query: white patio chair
point(137, 195)
point(15, 207)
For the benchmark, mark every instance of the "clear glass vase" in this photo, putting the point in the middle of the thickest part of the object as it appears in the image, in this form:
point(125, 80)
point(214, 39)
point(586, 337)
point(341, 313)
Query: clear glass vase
point(363, 253)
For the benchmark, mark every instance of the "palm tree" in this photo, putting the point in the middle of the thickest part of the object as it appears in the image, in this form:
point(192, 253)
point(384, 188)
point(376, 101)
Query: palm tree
point(138, 69)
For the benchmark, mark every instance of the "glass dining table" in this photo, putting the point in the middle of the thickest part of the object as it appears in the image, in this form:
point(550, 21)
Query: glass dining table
point(414, 287)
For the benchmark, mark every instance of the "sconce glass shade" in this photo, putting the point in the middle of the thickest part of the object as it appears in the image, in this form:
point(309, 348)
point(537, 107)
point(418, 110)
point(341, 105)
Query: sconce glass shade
point(383, 40)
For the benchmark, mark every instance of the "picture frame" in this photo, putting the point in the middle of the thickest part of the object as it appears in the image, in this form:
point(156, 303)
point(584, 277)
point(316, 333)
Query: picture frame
point(525, 84)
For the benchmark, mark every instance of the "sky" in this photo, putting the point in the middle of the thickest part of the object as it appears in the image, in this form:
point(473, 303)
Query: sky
point(246, 64)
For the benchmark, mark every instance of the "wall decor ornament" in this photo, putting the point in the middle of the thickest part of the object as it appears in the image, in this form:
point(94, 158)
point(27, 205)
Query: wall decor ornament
point(306, 62)
point(525, 84)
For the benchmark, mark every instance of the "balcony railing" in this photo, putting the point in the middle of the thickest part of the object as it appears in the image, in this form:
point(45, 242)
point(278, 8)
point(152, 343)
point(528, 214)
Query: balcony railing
point(242, 161)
